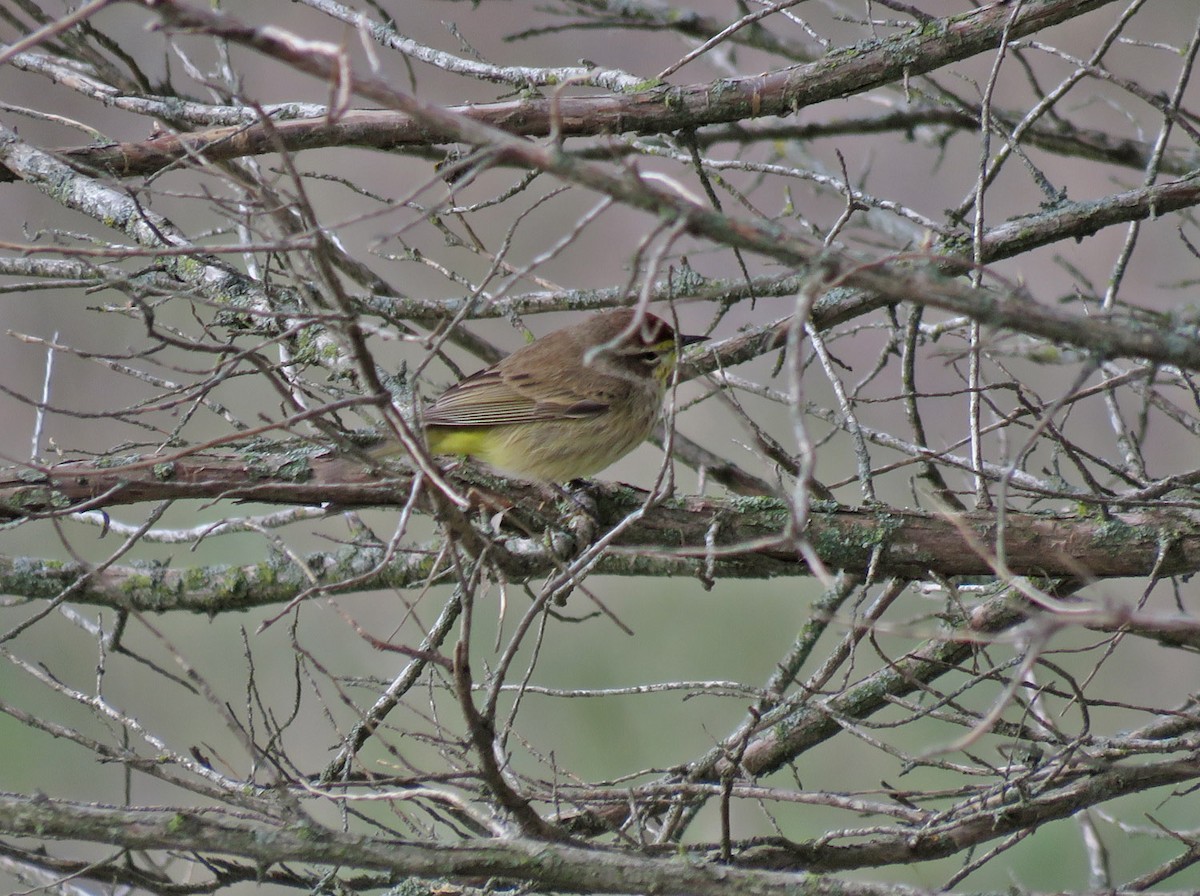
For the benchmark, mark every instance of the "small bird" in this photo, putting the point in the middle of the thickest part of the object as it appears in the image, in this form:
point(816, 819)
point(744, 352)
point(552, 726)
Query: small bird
point(566, 405)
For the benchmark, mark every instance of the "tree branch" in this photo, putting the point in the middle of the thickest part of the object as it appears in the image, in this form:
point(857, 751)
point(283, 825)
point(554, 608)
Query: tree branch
point(656, 108)
point(733, 537)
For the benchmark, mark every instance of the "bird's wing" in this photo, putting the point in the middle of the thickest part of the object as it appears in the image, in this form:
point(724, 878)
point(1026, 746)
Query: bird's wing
point(494, 397)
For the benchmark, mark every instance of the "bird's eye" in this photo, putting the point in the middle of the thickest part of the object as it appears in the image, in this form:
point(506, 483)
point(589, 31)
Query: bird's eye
point(650, 357)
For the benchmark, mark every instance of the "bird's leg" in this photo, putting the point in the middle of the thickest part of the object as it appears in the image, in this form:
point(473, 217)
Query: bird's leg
point(582, 513)
point(579, 493)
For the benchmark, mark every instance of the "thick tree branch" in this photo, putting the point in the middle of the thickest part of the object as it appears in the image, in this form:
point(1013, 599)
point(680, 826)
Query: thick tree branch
point(686, 536)
point(656, 109)
point(552, 866)
point(1009, 811)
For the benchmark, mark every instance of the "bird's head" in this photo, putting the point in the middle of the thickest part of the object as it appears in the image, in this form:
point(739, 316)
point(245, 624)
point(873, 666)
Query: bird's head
point(635, 345)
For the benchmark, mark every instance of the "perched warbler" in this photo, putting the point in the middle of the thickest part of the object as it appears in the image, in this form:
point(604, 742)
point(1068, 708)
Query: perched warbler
point(566, 405)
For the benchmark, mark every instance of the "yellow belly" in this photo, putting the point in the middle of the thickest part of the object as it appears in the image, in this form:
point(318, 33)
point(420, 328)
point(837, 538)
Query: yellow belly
point(547, 451)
